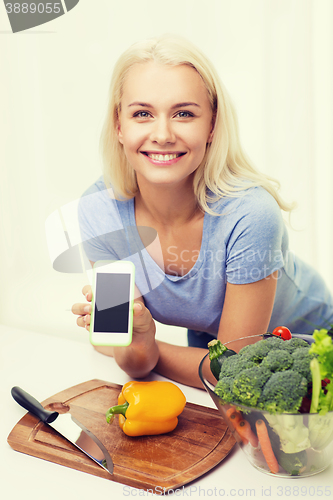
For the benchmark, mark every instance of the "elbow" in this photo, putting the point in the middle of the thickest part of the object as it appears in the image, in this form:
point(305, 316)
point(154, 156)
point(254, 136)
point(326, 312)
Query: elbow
point(136, 365)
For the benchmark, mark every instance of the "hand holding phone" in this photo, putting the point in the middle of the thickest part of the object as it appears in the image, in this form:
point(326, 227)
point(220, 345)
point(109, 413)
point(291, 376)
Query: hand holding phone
point(112, 303)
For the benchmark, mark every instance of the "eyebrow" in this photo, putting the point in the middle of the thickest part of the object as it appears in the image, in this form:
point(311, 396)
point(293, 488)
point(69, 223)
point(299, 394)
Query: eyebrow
point(178, 105)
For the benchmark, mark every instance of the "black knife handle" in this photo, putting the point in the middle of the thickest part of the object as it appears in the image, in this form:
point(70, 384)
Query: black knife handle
point(31, 404)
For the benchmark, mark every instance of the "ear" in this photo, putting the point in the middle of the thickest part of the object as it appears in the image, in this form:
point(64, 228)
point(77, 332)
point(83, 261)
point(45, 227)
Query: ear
point(210, 137)
point(212, 129)
point(119, 132)
point(118, 129)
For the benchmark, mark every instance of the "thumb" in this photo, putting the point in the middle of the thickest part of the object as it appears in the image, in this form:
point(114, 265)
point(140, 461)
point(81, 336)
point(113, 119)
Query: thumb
point(137, 308)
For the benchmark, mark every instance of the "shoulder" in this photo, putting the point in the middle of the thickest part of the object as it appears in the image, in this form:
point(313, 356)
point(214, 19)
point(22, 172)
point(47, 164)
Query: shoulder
point(254, 203)
point(255, 239)
point(99, 211)
point(96, 191)
point(254, 214)
point(99, 199)
point(251, 198)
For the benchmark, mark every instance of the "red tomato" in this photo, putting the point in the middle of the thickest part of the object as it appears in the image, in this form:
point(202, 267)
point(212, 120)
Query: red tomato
point(283, 332)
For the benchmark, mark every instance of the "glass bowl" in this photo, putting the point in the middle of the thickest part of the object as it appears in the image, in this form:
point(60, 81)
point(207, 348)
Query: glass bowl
point(314, 432)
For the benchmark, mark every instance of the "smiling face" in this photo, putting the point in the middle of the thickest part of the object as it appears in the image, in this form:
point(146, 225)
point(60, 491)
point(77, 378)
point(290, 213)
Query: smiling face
point(165, 122)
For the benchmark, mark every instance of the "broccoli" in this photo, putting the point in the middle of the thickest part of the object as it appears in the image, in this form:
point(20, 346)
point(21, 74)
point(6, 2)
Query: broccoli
point(275, 342)
point(278, 360)
point(272, 375)
point(234, 365)
point(283, 392)
point(248, 385)
point(301, 362)
point(223, 389)
point(257, 352)
point(293, 344)
point(277, 376)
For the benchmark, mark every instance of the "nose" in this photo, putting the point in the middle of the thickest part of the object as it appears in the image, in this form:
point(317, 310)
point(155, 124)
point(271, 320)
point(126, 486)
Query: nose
point(162, 131)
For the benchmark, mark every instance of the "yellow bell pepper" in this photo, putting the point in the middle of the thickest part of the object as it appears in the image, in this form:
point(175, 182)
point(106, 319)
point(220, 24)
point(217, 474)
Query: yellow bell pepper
point(148, 408)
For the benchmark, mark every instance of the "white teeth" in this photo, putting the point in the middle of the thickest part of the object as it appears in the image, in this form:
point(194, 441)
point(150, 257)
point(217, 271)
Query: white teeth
point(163, 157)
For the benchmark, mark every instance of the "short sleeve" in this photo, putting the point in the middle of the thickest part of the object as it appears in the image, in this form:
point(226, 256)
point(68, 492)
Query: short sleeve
point(254, 249)
point(100, 223)
point(109, 232)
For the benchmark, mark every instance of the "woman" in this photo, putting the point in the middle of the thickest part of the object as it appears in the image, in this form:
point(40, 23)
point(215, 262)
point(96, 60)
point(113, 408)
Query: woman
point(174, 163)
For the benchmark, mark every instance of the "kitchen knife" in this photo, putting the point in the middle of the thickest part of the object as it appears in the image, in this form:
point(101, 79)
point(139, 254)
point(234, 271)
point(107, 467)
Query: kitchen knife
point(68, 427)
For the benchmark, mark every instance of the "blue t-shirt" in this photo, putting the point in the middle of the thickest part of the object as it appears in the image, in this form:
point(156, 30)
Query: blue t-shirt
point(245, 243)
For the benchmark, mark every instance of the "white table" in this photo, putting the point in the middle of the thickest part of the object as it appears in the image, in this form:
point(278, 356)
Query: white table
point(45, 365)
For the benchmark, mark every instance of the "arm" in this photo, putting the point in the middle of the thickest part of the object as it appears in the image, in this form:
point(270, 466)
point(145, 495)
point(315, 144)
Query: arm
point(247, 310)
point(140, 357)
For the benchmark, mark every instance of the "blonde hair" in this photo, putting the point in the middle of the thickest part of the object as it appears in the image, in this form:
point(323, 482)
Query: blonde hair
point(225, 170)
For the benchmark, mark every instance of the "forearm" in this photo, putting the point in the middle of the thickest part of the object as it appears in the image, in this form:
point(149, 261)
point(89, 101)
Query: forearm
point(140, 357)
point(181, 363)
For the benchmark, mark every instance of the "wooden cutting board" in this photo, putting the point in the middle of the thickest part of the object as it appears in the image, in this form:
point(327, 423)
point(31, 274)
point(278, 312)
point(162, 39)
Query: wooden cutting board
point(200, 441)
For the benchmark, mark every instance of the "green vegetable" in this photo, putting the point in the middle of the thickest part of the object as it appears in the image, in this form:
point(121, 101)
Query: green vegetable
point(234, 365)
point(248, 385)
point(263, 375)
point(275, 375)
point(216, 349)
point(322, 368)
point(217, 355)
point(223, 389)
point(293, 344)
point(316, 385)
point(258, 351)
point(277, 360)
point(283, 392)
point(301, 361)
point(321, 426)
point(294, 463)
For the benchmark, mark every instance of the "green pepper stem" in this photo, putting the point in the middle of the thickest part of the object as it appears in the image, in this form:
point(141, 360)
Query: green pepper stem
point(114, 410)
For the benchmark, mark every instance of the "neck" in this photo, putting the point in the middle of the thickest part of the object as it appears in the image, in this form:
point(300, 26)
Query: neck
point(170, 205)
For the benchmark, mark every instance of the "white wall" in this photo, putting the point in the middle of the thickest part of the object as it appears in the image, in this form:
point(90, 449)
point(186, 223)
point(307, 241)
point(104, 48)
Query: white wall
point(274, 56)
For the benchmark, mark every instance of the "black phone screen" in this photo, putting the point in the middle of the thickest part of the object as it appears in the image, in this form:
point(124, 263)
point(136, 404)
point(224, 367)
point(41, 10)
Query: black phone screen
point(112, 295)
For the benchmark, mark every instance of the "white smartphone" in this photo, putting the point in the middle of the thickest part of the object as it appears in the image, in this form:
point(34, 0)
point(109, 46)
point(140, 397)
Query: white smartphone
point(112, 303)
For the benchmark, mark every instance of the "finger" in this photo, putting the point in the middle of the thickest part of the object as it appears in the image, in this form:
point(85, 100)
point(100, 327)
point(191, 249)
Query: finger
point(87, 292)
point(80, 321)
point(84, 321)
point(81, 309)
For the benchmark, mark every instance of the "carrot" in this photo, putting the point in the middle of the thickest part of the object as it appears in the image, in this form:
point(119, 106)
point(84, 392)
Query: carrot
point(266, 446)
point(234, 416)
point(244, 430)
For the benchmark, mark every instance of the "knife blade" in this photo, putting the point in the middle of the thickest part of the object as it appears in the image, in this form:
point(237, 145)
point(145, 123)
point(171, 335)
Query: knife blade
point(69, 427)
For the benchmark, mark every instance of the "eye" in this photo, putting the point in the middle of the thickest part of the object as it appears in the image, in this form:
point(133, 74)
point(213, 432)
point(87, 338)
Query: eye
point(142, 114)
point(184, 114)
